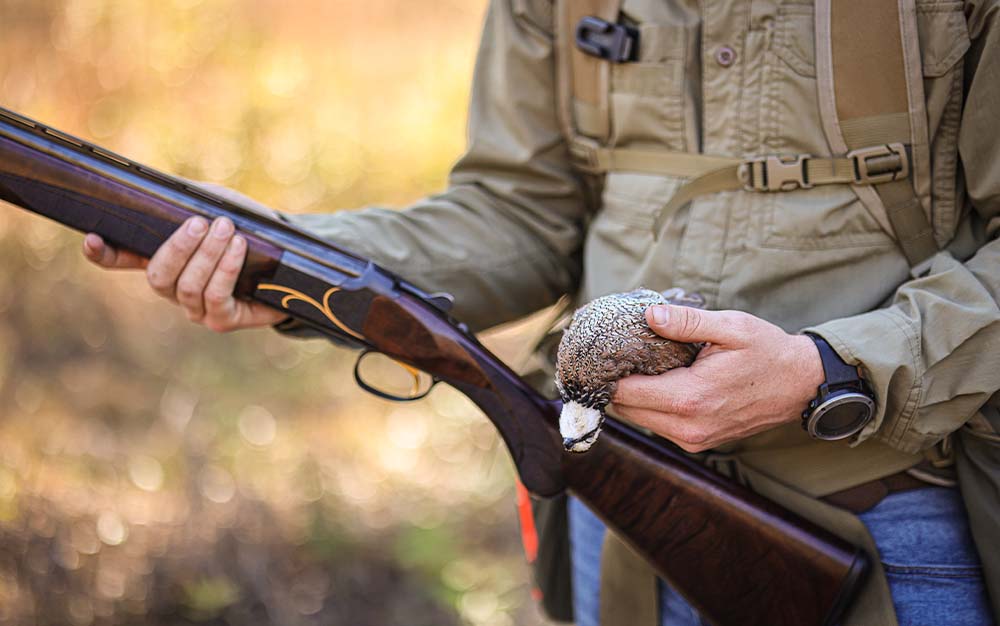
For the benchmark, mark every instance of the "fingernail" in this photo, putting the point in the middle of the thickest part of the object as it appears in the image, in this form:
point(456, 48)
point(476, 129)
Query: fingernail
point(222, 228)
point(196, 227)
point(660, 315)
point(238, 242)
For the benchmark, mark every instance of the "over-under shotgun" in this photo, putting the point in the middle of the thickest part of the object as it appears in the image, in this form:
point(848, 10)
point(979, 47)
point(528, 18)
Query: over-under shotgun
point(737, 557)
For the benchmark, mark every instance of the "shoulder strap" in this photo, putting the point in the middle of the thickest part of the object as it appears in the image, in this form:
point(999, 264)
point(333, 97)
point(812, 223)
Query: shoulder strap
point(582, 80)
point(871, 92)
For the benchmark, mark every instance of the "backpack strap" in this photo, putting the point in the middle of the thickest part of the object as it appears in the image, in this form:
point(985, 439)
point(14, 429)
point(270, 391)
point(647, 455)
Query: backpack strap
point(871, 165)
point(583, 81)
point(871, 92)
point(871, 102)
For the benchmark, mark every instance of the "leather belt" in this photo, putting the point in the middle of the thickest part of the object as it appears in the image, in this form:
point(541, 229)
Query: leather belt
point(865, 496)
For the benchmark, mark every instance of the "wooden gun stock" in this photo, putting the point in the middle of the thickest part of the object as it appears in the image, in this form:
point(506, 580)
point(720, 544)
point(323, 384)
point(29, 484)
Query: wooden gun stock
point(734, 555)
point(737, 557)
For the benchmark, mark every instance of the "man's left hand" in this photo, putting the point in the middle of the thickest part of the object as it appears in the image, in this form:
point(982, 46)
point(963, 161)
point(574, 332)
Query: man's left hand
point(749, 377)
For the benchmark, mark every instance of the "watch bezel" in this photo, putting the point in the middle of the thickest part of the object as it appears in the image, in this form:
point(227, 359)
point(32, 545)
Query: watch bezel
point(814, 421)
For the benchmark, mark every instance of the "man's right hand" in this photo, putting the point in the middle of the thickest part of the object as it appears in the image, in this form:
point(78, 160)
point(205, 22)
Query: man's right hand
point(196, 268)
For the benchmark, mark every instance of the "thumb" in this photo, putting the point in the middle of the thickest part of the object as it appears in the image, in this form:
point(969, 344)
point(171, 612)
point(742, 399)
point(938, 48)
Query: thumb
point(691, 325)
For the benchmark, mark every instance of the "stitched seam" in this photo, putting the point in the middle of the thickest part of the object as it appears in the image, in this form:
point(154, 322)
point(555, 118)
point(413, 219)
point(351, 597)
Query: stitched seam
point(958, 571)
point(783, 43)
point(944, 176)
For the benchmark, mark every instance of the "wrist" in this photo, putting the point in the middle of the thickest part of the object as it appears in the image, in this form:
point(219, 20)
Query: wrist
point(844, 403)
point(809, 367)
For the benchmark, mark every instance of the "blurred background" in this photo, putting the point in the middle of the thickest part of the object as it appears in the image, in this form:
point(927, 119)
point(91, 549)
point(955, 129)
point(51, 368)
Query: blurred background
point(154, 473)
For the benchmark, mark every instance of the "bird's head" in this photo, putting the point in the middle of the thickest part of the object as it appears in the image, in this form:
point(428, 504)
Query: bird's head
point(580, 426)
point(582, 414)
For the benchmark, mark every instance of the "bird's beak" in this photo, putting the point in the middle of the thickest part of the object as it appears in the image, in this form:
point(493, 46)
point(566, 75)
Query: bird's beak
point(583, 442)
point(580, 425)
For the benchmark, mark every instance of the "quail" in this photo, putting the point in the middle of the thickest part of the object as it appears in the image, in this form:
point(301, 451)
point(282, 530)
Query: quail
point(607, 340)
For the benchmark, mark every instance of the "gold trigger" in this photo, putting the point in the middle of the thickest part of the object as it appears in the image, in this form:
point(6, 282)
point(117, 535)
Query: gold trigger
point(413, 372)
point(416, 392)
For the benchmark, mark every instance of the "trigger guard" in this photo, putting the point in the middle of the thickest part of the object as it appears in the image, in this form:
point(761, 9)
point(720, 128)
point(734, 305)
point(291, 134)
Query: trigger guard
point(378, 392)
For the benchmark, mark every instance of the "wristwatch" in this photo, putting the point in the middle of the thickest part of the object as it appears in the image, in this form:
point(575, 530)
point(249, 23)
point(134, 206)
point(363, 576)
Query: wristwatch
point(845, 402)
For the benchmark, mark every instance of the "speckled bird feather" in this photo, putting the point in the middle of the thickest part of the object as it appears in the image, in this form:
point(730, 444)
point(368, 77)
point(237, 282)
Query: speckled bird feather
point(607, 340)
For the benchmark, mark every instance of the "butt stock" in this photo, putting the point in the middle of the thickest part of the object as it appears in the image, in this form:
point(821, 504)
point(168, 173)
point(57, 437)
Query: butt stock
point(737, 557)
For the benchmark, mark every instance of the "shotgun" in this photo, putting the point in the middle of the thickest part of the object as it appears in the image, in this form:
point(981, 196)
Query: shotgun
point(734, 555)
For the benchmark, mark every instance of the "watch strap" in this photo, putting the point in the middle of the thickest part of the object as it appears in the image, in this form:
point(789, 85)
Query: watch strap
point(836, 370)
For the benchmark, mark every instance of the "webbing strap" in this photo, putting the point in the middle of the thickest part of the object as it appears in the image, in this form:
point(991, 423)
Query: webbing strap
point(725, 179)
point(881, 164)
point(584, 80)
point(869, 84)
point(596, 159)
point(867, 166)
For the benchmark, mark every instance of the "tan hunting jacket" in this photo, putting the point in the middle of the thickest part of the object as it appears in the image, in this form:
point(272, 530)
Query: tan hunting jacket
point(516, 228)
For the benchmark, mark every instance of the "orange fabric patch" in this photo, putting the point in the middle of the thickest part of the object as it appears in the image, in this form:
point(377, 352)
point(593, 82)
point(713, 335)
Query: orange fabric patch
point(529, 536)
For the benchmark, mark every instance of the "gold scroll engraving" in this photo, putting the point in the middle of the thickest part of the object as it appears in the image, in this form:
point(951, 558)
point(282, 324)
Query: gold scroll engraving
point(323, 307)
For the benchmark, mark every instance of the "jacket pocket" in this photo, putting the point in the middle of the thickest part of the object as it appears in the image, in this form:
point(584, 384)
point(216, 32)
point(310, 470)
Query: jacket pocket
point(820, 218)
point(944, 35)
point(647, 96)
point(794, 38)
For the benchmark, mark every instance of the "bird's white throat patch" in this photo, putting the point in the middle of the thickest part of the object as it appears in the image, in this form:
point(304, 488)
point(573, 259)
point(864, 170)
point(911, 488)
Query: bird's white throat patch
point(579, 426)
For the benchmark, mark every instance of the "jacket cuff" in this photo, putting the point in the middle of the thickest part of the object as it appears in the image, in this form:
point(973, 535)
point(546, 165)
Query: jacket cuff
point(887, 347)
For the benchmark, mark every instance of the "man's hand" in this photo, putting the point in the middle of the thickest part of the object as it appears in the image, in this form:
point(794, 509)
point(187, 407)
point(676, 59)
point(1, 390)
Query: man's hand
point(197, 268)
point(749, 377)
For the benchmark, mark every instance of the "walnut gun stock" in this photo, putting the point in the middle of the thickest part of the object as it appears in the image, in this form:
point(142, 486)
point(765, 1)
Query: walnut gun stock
point(737, 557)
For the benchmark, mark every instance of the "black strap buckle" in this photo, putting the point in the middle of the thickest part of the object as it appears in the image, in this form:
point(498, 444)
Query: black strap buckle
point(614, 42)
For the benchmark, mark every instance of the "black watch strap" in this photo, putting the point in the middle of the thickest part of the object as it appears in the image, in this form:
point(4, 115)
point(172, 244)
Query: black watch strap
point(836, 370)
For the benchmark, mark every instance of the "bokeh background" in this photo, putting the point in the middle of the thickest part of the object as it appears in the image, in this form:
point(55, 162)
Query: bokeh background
point(154, 473)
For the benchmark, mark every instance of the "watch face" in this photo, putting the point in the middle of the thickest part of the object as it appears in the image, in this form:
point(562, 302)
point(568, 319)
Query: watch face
point(841, 416)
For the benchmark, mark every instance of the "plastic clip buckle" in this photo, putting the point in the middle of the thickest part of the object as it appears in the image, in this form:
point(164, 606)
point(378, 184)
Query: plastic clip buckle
point(775, 173)
point(880, 164)
point(602, 39)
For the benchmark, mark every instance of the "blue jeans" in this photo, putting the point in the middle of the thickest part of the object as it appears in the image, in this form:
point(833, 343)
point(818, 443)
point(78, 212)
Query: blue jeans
point(923, 537)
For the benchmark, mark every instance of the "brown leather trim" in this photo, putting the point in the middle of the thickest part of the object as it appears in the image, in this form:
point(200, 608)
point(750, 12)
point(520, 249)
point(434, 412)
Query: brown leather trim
point(868, 70)
point(865, 496)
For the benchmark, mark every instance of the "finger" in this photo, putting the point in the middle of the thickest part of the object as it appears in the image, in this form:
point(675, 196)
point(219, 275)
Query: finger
point(688, 324)
point(169, 260)
point(199, 269)
point(108, 257)
point(670, 392)
point(257, 314)
point(691, 434)
point(247, 315)
point(219, 302)
point(223, 312)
